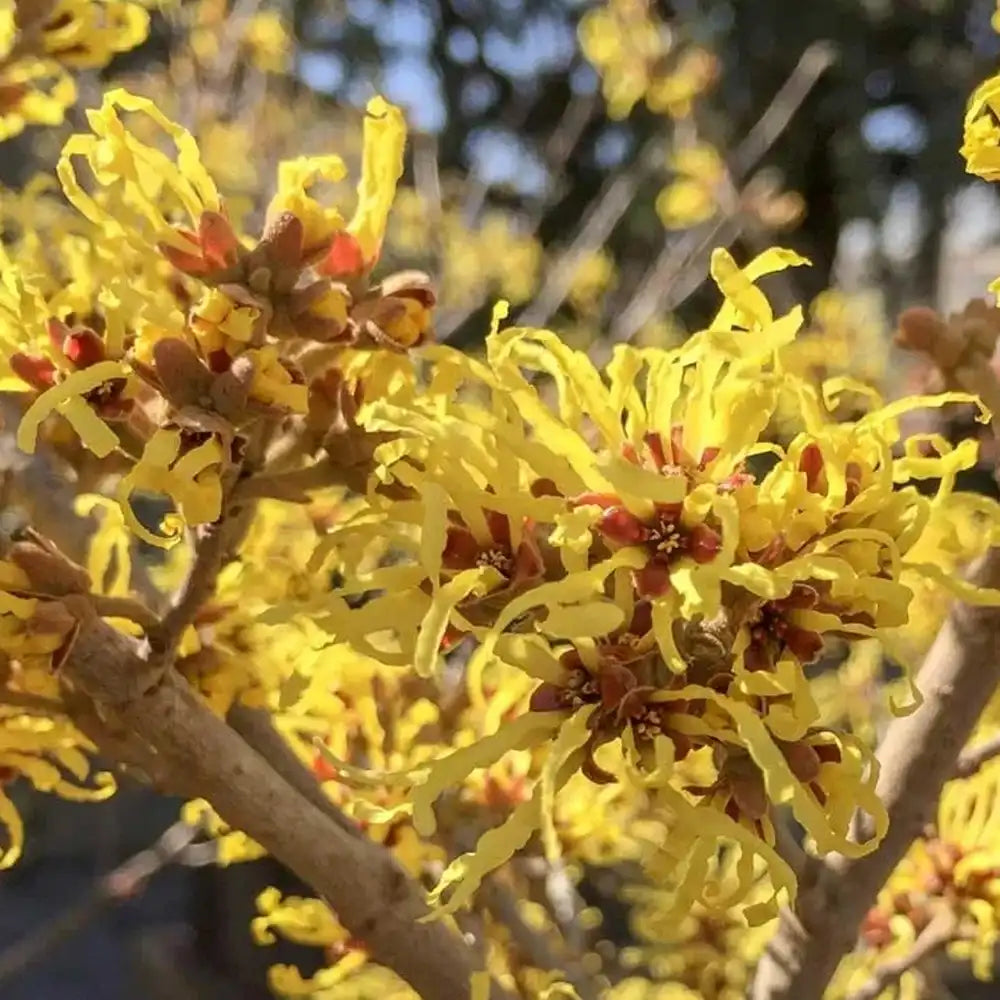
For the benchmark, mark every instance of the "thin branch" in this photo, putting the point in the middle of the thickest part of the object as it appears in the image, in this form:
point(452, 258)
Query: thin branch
point(532, 944)
point(973, 758)
point(118, 885)
point(214, 545)
point(813, 63)
point(427, 181)
point(789, 849)
point(663, 287)
point(938, 933)
point(125, 607)
point(28, 702)
point(600, 220)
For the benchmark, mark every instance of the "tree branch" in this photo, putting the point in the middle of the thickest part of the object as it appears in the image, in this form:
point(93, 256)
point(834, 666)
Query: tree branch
point(972, 758)
point(372, 896)
point(256, 728)
point(919, 754)
point(120, 884)
point(939, 932)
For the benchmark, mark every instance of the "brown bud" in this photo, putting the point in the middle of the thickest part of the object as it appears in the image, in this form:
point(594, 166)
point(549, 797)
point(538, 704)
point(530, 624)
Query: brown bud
point(283, 239)
point(918, 329)
point(184, 378)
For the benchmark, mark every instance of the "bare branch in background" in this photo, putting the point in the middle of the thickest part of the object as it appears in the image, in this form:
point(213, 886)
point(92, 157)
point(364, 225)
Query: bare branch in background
point(680, 267)
point(938, 933)
point(599, 220)
point(121, 884)
point(598, 223)
point(427, 181)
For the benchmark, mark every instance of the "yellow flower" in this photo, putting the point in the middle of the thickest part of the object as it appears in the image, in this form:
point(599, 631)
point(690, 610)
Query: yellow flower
point(594, 275)
point(381, 168)
point(268, 41)
point(143, 184)
point(33, 92)
point(216, 318)
point(273, 384)
point(49, 753)
point(691, 197)
point(981, 138)
point(87, 34)
point(295, 177)
point(187, 472)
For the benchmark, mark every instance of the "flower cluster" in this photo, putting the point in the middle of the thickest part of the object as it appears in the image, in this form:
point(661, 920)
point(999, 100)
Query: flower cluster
point(626, 550)
point(620, 617)
point(639, 58)
point(231, 337)
point(947, 889)
point(41, 42)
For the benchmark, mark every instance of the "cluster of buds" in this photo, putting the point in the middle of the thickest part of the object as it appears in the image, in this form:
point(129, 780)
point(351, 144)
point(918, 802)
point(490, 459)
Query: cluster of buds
point(287, 288)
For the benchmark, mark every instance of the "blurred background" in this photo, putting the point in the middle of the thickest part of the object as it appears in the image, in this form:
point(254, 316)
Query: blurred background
point(579, 160)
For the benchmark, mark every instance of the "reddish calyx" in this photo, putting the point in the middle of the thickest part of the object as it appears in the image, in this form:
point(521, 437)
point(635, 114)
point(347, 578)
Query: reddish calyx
point(618, 690)
point(662, 535)
point(75, 349)
point(344, 261)
point(773, 630)
point(214, 247)
point(463, 550)
point(813, 465)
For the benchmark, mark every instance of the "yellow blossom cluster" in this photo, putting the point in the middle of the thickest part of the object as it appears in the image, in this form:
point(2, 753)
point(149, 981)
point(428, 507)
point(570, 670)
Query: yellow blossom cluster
point(42, 41)
point(643, 577)
point(501, 608)
point(639, 58)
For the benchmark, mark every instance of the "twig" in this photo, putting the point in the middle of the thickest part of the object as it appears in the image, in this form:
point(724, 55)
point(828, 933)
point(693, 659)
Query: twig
point(663, 286)
point(565, 903)
point(972, 759)
point(427, 181)
point(812, 64)
point(601, 218)
point(530, 942)
point(938, 933)
point(28, 702)
point(118, 885)
point(534, 945)
point(125, 607)
point(789, 849)
point(215, 543)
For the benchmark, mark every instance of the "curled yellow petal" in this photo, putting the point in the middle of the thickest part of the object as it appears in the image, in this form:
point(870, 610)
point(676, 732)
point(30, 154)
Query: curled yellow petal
point(523, 732)
point(102, 443)
point(381, 168)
